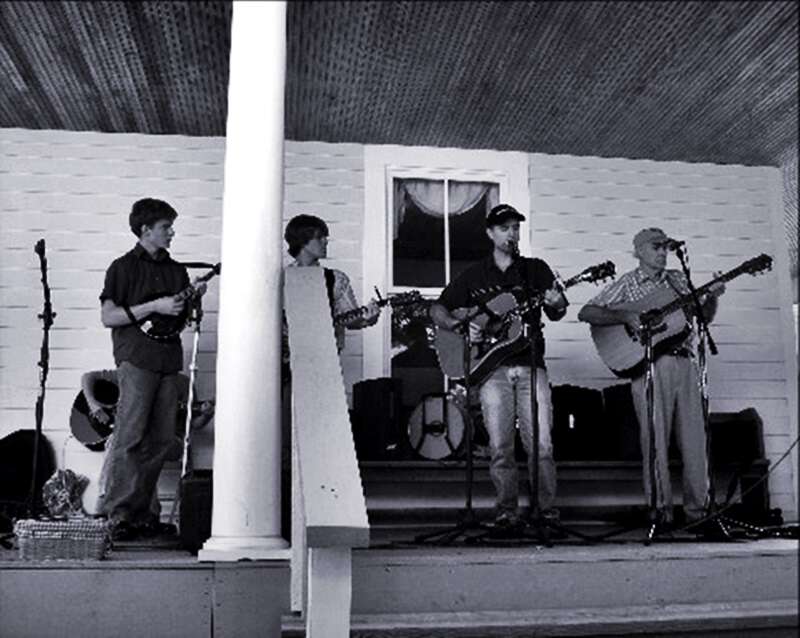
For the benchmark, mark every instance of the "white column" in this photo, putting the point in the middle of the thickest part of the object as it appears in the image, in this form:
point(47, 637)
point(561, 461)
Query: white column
point(247, 445)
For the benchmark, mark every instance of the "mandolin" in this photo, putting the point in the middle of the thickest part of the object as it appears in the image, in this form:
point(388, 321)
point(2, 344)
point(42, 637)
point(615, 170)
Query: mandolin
point(168, 327)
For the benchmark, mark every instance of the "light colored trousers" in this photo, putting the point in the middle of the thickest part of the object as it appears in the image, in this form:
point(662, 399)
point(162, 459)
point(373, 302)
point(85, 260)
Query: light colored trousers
point(677, 400)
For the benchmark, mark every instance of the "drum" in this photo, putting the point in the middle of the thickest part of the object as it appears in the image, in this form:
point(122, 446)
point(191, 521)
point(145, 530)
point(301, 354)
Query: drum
point(436, 427)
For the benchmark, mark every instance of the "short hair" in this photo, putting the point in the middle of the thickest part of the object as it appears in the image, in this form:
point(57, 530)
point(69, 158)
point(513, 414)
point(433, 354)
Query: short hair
point(301, 229)
point(147, 212)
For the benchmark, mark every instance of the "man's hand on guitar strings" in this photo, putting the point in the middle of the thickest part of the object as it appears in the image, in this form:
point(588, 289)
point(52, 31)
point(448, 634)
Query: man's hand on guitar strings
point(169, 305)
point(371, 313)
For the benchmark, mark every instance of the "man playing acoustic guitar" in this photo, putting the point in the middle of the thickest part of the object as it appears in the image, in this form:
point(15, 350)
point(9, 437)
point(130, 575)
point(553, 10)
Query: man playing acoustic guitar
point(505, 395)
point(676, 381)
point(142, 285)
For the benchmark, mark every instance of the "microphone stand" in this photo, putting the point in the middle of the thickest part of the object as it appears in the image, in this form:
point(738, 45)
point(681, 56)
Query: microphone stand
point(541, 527)
point(657, 515)
point(47, 316)
point(467, 522)
point(719, 529)
point(195, 316)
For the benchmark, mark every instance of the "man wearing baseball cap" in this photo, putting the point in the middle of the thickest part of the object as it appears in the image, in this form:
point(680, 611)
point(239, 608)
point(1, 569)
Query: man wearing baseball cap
point(676, 382)
point(505, 395)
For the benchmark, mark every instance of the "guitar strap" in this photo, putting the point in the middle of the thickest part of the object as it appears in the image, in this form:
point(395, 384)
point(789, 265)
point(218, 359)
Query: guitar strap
point(677, 292)
point(330, 281)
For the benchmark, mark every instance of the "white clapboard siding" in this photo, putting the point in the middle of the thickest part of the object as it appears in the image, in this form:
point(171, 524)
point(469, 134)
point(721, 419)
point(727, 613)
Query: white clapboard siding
point(327, 180)
point(75, 190)
point(585, 210)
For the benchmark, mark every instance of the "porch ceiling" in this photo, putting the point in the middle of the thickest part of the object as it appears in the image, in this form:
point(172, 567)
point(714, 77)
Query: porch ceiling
point(686, 81)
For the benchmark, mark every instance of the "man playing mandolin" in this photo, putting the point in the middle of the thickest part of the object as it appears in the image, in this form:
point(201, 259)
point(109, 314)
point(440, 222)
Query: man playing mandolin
point(676, 381)
point(505, 395)
point(143, 285)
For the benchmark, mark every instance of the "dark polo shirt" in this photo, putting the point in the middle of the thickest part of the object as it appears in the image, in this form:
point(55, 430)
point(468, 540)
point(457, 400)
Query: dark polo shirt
point(461, 293)
point(132, 279)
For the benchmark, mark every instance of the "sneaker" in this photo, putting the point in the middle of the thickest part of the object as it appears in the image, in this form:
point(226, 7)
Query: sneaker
point(155, 528)
point(122, 531)
point(708, 530)
point(506, 520)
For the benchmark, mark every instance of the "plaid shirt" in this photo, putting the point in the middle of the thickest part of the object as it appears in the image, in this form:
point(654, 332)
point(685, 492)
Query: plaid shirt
point(636, 284)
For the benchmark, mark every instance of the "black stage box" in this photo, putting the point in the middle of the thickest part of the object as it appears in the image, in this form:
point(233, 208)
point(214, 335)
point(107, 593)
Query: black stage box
point(579, 427)
point(195, 509)
point(377, 428)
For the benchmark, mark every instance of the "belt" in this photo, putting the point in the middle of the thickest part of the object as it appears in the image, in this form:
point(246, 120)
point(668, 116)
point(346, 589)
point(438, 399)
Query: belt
point(682, 351)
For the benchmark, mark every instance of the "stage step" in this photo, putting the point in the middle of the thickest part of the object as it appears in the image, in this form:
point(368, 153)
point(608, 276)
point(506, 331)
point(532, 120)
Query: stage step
point(674, 589)
point(624, 587)
point(774, 619)
point(431, 492)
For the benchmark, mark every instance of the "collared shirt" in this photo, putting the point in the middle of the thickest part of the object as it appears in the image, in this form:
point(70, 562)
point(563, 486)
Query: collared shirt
point(636, 285)
point(135, 278)
point(478, 283)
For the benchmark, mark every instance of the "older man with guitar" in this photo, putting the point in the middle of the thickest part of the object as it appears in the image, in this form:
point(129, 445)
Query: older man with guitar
point(619, 310)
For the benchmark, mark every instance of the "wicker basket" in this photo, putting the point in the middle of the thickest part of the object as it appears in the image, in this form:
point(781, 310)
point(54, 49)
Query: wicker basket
point(79, 538)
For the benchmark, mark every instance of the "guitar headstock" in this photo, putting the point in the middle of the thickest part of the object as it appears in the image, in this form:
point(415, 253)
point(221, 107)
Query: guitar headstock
point(757, 265)
point(600, 272)
point(403, 298)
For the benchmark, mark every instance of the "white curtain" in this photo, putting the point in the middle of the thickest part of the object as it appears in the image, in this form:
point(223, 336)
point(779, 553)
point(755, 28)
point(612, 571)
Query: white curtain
point(428, 196)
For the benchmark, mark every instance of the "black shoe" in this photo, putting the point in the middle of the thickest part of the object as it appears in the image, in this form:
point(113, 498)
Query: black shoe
point(122, 531)
point(709, 530)
point(507, 520)
point(151, 530)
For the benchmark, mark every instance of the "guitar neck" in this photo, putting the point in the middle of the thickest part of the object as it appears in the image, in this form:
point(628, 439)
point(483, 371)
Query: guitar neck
point(356, 313)
point(684, 300)
point(538, 299)
point(191, 288)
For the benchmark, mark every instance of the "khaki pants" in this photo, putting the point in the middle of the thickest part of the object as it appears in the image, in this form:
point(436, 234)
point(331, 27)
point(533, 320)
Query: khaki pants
point(677, 401)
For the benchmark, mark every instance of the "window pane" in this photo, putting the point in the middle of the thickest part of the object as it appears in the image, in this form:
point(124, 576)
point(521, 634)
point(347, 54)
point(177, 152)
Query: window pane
point(418, 242)
point(469, 204)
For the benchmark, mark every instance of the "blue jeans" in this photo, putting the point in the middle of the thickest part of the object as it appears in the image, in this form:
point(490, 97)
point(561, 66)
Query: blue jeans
point(144, 431)
point(506, 403)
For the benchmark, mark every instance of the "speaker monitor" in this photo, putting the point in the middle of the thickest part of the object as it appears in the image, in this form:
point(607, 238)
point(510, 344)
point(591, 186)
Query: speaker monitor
point(377, 429)
point(195, 509)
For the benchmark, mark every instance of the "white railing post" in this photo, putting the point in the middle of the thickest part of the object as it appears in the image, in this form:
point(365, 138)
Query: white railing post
point(329, 515)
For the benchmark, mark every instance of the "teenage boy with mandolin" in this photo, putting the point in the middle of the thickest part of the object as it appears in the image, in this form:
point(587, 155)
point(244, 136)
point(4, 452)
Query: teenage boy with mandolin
point(143, 285)
point(676, 380)
point(505, 395)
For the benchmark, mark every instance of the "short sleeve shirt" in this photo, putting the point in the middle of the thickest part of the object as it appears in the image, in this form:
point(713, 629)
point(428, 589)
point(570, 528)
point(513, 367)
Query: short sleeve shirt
point(636, 285)
point(135, 278)
point(484, 280)
point(344, 299)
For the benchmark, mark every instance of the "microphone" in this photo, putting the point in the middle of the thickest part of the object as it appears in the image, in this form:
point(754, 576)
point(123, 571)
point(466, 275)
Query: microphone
point(673, 244)
point(514, 248)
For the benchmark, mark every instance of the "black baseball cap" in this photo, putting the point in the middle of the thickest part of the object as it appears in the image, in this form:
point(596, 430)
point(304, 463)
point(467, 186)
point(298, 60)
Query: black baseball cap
point(501, 214)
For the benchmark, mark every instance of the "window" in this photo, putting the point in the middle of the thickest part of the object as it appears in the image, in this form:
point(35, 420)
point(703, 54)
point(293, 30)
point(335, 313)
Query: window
point(424, 223)
point(438, 229)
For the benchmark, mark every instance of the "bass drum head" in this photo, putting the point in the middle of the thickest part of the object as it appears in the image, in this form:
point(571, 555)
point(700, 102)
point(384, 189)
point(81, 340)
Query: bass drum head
point(436, 427)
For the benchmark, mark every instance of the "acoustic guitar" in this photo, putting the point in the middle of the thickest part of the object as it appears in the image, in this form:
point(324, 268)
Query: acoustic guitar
point(168, 327)
point(621, 349)
point(94, 434)
point(502, 329)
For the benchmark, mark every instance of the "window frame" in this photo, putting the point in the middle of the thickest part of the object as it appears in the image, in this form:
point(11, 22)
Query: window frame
point(382, 164)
